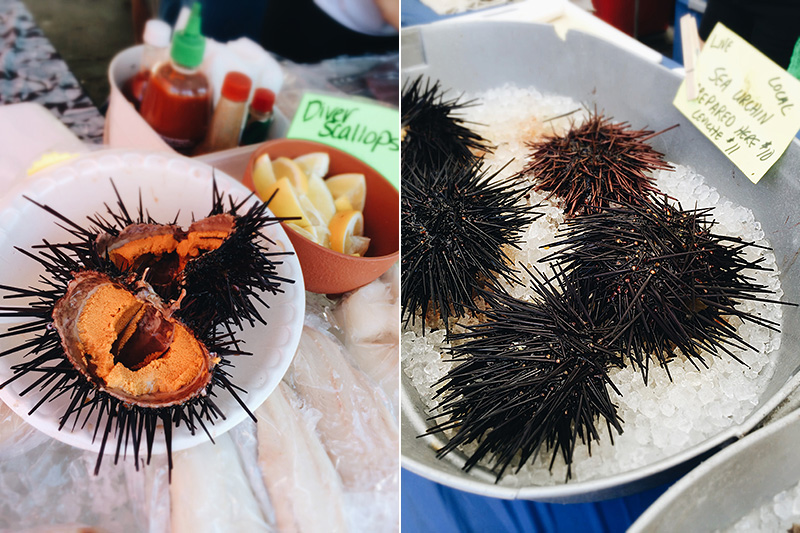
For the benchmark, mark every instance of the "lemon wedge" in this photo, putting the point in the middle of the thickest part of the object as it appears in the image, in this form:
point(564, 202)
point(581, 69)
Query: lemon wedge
point(323, 236)
point(313, 215)
point(314, 164)
point(357, 245)
point(343, 204)
point(283, 167)
point(285, 203)
point(343, 226)
point(263, 176)
point(321, 197)
point(309, 232)
point(352, 185)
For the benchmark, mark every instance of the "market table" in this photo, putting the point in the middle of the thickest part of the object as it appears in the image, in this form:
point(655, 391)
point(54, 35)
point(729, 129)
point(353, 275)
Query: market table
point(46, 483)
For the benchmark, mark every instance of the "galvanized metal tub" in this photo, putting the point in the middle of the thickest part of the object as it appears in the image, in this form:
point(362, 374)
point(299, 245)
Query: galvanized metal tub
point(478, 56)
point(729, 485)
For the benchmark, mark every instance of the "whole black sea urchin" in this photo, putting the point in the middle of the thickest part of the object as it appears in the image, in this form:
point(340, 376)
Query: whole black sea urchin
point(432, 131)
point(532, 377)
point(668, 282)
point(595, 163)
point(455, 223)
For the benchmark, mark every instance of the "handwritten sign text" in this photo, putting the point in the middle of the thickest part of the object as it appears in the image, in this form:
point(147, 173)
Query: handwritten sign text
point(748, 106)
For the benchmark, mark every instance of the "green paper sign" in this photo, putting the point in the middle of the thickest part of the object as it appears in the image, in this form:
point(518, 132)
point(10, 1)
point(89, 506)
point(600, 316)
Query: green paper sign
point(369, 131)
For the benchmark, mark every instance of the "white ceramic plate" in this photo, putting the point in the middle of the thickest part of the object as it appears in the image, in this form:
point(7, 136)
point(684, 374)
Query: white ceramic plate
point(168, 183)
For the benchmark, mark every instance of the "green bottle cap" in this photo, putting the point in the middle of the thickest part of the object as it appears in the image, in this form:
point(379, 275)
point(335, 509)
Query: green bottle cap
point(794, 64)
point(189, 44)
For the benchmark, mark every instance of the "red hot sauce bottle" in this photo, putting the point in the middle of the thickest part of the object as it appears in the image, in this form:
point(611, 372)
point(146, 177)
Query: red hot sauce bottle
point(177, 101)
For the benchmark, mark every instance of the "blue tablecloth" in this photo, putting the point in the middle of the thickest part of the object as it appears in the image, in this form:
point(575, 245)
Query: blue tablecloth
point(428, 506)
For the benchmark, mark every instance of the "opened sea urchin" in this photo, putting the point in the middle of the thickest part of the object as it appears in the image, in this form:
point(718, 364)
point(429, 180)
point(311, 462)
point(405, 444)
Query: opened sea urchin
point(128, 357)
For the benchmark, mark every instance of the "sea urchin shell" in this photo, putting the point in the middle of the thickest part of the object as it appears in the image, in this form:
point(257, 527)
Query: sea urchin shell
point(432, 130)
point(667, 281)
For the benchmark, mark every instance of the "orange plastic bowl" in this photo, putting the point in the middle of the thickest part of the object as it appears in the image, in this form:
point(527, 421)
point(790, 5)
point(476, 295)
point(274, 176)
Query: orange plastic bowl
point(326, 271)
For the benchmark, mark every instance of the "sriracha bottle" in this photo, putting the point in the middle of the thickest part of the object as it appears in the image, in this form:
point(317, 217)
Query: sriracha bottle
point(177, 101)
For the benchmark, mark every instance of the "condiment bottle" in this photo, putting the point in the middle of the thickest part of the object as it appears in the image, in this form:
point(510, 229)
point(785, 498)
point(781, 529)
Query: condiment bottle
point(177, 102)
point(260, 118)
point(226, 124)
point(156, 40)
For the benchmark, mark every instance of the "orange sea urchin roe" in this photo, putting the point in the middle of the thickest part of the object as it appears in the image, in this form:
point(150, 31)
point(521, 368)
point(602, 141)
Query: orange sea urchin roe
point(129, 345)
point(144, 245)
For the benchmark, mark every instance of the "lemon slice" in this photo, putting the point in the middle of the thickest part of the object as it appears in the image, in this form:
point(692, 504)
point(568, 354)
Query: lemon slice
point(283, 167)
point(314, 164)
point(353, 186)
point(321, 197)
point(309, 232)
point(357, 245)
point(343, 204)
point(285, 203)
point(344, 225)
point(323, 235)
point(313, 215)
point(263, 176)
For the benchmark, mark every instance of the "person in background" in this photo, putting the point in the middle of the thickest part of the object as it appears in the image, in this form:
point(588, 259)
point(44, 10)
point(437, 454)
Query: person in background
point(772, 26)
point(307, 31)
point(303, 31)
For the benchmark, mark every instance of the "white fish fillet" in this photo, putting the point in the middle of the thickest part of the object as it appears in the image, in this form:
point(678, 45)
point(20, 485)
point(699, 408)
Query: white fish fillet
point(16, 435)
point(370, 320)
point(356, 428)
point(304, 488)
point(210, 492)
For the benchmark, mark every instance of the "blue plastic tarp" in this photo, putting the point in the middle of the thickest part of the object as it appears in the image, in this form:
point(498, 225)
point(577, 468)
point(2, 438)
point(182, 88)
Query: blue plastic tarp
point(431, 507)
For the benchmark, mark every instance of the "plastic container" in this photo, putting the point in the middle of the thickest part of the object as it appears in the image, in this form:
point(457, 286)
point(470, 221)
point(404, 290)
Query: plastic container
point(634, 17)
point(259, 119)
point(156, 43)
point(125, 127)
point(229, 114)
point(177, 104)
point(479, 56)
point(326, 271)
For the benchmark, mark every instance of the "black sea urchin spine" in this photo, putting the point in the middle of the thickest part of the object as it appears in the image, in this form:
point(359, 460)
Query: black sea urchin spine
point(433, 132)
point(224, 286)
point(594, 163)
point(455, 224)
point(533, 377)
point(666, 280)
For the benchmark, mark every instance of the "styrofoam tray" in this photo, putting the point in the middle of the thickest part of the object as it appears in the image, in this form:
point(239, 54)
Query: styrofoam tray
point(168, 183)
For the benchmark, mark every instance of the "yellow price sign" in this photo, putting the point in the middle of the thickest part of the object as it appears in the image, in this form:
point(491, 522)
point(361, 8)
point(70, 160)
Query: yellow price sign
point(747, 105)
